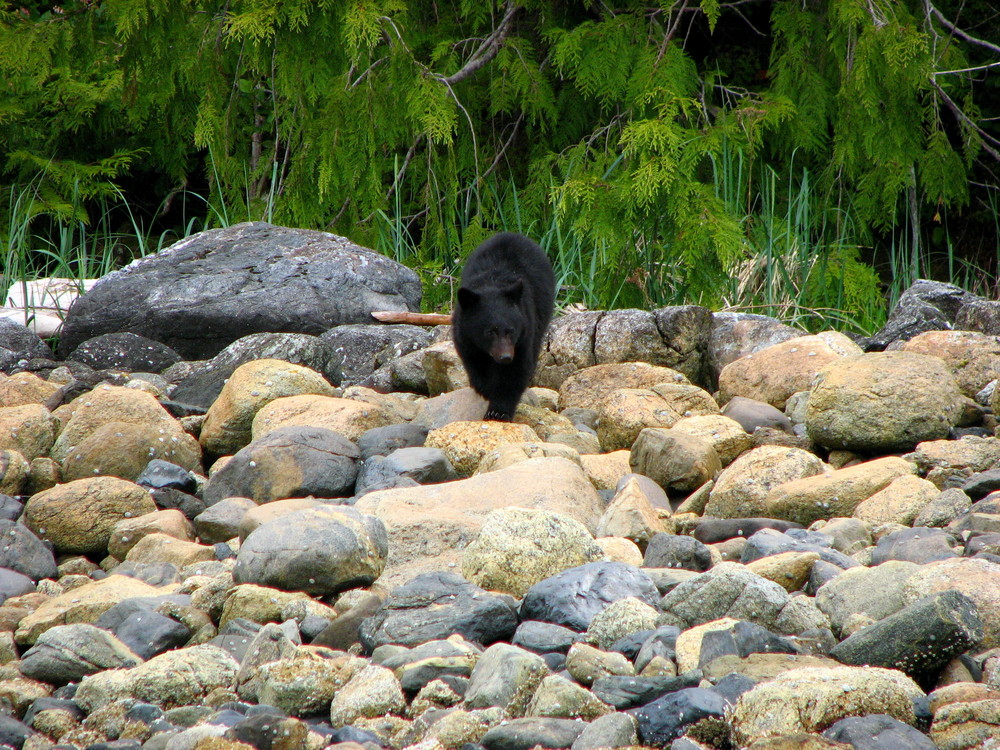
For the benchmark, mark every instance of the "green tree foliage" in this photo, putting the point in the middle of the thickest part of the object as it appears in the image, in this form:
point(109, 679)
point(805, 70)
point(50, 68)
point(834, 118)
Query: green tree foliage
point(609, 128)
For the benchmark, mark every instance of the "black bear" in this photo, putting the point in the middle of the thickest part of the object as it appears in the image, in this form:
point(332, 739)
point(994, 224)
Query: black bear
point(504, 307)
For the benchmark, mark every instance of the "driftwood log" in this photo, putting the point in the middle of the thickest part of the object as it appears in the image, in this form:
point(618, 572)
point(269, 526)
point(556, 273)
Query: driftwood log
point(413, 318)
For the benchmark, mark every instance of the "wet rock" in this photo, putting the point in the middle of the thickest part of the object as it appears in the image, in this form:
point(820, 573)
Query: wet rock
point(381, 441)
point(288, 462)
point(419, 465)
point(878, 732)
point(124, 351)
point(671, 551)
point(321, 551)
point(917, 545)
point(523, 734)
point(753, 415)
point(365, 347)
point(573, 597)
point(667, 718)
point(24, 552)
point(434, 606)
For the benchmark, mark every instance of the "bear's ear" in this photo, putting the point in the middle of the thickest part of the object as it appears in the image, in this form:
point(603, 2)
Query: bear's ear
point(514, 291)
point(467, 298)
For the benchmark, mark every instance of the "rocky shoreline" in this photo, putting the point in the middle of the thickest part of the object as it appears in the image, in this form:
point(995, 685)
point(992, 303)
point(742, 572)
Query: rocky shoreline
point(701, 531)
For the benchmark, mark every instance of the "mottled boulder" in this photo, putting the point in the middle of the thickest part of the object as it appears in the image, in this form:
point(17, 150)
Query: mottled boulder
point(365, 347)
point(736, 335)
point(924, 306)
point(347, 417)
point(429, 525)
point(518, 547)
point(667, 718)
point(124, 351)
point(631, 514)
point(978, 314)
point(78, 517)
point(977, 579)
point(873, 593)
point(200, 383)
point(741, 490)
point(674, 460)
point(773, 374)
point(285, 463)
point(29, 429)
point(973, 358)
point(884, 402)
point(900, 502)
point(228, 424)
point(24, 552)
point(725, 434)
point(835, 493)
point(321, 551)
point(812, 699)
point(505, 676)
point(433, 606)
point(372, 692)
point(18, 342)
point(624, 412)
point(207, 290)
point(465, 443)
point(120, 449)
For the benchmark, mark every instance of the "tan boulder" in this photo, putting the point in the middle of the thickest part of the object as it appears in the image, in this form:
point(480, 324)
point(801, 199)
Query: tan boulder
point(509, 454)
point(674, 460)
point(900, 502)
point(25, 388)
point(269, 511)
point(790, 570)
point(28, 429)
point(589, 387)
point(83, 604)
point(345, 416)
point(833, 494)
point(429, 525)
point(543, 421)
point(883, 402)
point(121, 449)
point(606, 469)
point(625, 412)
point(228, 424)
point(163, 548)
point(631, 515)
point(967, 726)
point(128, 531)
point(972, 357)
point(726, 435)
point(773, 374)
point(741, 490)
point(79, 516)
point(14, 472)
point(465, 443)
point(618, 549)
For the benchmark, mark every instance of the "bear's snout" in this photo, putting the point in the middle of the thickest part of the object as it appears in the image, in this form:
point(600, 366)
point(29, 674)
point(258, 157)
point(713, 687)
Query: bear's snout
point(502, 351)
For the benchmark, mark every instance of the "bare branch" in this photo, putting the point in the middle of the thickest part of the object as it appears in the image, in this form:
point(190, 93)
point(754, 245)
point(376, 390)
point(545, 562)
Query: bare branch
point(958, 32)
point(487, 50)
point(987, 139)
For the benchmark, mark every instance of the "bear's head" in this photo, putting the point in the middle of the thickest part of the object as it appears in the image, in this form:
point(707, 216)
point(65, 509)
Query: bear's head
point(493, 320)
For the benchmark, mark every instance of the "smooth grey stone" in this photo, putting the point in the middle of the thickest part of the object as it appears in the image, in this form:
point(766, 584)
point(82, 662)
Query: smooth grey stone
point(325, 461)
point(433, 606)
point(630, 645)
point(623, 691)
point(920, 545)
point(321, 551)
point(572, 597)
point(878, 732)
point(711, 530)
point(10, 508)
point(13, 733)
point(153, 573)
point(25, 553)
point(524, 734)
point(610, 730)
point(381, 441)
point(753, 415)
point(68, 653)
point(981, 484)
point(544, 637)
point(221, 521)
point(149, 633)
point(168, 498)
point(418, 465)
point(343, 633)
point(213, 287)
point(429, 661)
point(236, 636)
point(13, 583)
point(160, 474)
point(767, 542)
point(673, 551)
point(919, 639)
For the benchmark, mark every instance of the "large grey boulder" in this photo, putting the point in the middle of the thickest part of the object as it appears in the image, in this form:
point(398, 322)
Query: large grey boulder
point(925, 306)
point(206, 291)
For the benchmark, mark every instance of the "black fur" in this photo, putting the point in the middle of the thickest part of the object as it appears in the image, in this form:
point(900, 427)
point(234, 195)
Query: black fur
point(504, 307)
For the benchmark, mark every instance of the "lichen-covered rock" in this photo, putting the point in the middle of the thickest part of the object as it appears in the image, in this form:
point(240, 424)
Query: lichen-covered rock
point(518, 547)
point(590, 387)
point(372, 692)
point(774, 373)
point(228, 424)
point(348, 417)
point(900, 502)
point(812, 699)
point(977, 579)
point(28, 429)
point(79, 516)
point(883, 402)
point(625, 412)
point(120, 449)
point(741, 490)
point(465, 443)
point(974, 358)
point(674, 460)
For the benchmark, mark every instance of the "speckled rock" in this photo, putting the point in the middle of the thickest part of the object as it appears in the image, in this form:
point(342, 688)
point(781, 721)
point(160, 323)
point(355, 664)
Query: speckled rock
point(631, 515)
point(809, 700)
point(589, 387)
point(977, 579)
point(674, 460)
point(465, 443)
point(518, 547)
point(348, 417)
point(974, 358)
point(28, 429)
point(68, 653)
point(900, 502)
point(624, 412)
point(79, 516)
point(372, 692)
point(883, 402)
point(505, 676)
point(229, 421)
point(741, 490)
point(619, 619)
point(25, 388)
point(560, 698)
